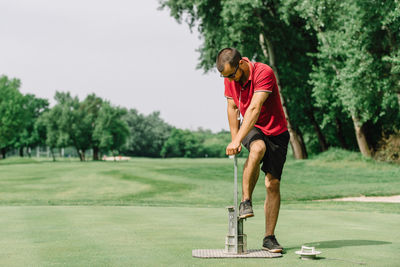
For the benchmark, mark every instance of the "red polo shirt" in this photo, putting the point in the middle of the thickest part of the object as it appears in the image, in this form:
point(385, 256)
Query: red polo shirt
point(272, 119)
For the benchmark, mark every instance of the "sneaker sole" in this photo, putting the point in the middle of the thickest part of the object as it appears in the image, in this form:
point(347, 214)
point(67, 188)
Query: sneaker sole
point(245, 216)
point(278, 250)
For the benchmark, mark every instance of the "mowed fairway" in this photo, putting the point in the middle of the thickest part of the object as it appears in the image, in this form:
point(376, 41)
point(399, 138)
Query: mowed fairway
point(153, 212)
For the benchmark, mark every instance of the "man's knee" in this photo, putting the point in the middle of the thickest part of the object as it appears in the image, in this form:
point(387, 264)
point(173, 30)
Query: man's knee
point(272, 184)
point(257, 149)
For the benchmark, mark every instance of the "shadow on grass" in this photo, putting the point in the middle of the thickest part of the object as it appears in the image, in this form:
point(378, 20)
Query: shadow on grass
point(7, 162)
point(346, 243)
point(339, 244)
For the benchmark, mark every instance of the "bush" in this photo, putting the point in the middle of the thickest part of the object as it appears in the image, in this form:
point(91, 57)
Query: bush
point(389, 149)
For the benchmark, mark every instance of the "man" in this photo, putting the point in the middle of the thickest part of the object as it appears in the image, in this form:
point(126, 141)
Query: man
point(252, 92)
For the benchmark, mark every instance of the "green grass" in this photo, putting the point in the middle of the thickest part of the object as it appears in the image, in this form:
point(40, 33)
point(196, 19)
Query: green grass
point(153, 212)
point(186, 182)
point(165, 236)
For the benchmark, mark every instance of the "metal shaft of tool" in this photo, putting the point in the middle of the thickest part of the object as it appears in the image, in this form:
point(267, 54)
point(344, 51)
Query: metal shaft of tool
point(235, 199)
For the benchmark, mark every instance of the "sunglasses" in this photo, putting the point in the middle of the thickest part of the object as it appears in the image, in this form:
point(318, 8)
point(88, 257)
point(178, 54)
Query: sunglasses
point(231, 75)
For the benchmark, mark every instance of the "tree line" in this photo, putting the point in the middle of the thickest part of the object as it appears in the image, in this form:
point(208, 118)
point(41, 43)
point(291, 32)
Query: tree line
point(27, 122)
point(337, 63)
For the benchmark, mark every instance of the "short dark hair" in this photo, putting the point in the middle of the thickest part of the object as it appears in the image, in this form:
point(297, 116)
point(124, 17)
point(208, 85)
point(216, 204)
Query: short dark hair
point(228, 55)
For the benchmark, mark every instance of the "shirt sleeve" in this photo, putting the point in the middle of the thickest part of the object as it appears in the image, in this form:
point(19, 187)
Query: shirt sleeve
point(264, 80)
point(228, 92)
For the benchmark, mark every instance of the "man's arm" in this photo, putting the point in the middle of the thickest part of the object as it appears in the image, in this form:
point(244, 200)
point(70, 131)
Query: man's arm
point(233, 113)
point(249, 120)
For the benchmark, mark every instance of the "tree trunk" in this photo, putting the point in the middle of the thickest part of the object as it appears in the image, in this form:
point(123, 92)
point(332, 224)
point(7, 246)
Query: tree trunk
point(339, 133)
point(52, 154)
point(320, 135)
point(3, 152)
point(361, 138)
point(21, 152)
point(321, 138)
point(302, 143)
point(296, 139)
point(79, 154)
point(95, 153)
point(299, 136)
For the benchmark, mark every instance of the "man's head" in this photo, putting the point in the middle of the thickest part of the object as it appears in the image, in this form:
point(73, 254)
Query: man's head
point(229, 61)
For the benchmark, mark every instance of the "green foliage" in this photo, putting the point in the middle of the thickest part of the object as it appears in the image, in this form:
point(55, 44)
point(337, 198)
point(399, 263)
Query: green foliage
point(199, 143)
point(110, 131)
point(337, 154)
point(147, 134)
point(47, 128)
point(351, 73)
point(338, 62)
point(96, 124)
point(12, 118)
point(214, 145)
point(33, 108)
point(73, 126)
point(91, 123)
point(91, 107)
point(239, 24)
point(182, 143)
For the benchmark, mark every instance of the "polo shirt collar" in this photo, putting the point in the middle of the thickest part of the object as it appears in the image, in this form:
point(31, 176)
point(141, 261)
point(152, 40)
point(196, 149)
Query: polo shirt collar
point(251, 66)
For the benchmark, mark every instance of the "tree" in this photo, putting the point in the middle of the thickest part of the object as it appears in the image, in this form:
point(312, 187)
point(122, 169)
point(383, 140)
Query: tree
point(70, 123)
point(182, 143)
point(73, 124)
point(28, 138)
point(147, 134)
point(214, 145)
point(254, 27)
point(391, 27)
point(91, 107)
point(12, 112)
point(47, 128)
point(350, 55)
point(111, 131)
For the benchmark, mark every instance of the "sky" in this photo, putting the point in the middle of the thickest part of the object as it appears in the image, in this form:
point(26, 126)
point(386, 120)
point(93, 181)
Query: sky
point(125, 51)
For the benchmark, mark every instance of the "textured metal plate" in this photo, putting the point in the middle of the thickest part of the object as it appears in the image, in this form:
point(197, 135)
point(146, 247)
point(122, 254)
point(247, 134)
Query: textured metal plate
point(219, 253)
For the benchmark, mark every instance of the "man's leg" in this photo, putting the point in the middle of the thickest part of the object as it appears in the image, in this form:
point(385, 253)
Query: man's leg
point(251, 169)
point(273, 166)
point(272, 203)
point(271, 209)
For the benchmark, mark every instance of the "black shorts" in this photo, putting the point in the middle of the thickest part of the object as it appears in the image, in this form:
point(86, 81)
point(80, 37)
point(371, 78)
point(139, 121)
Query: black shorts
point(275, 154)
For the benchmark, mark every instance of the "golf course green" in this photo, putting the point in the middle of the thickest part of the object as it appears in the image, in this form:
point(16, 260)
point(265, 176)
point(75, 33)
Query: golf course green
point(154, 212)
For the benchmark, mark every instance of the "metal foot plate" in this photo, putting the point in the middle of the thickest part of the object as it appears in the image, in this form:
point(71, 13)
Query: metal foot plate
point(219, 253)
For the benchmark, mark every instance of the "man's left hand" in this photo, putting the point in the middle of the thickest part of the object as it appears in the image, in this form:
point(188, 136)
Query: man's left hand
point(233, 148)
